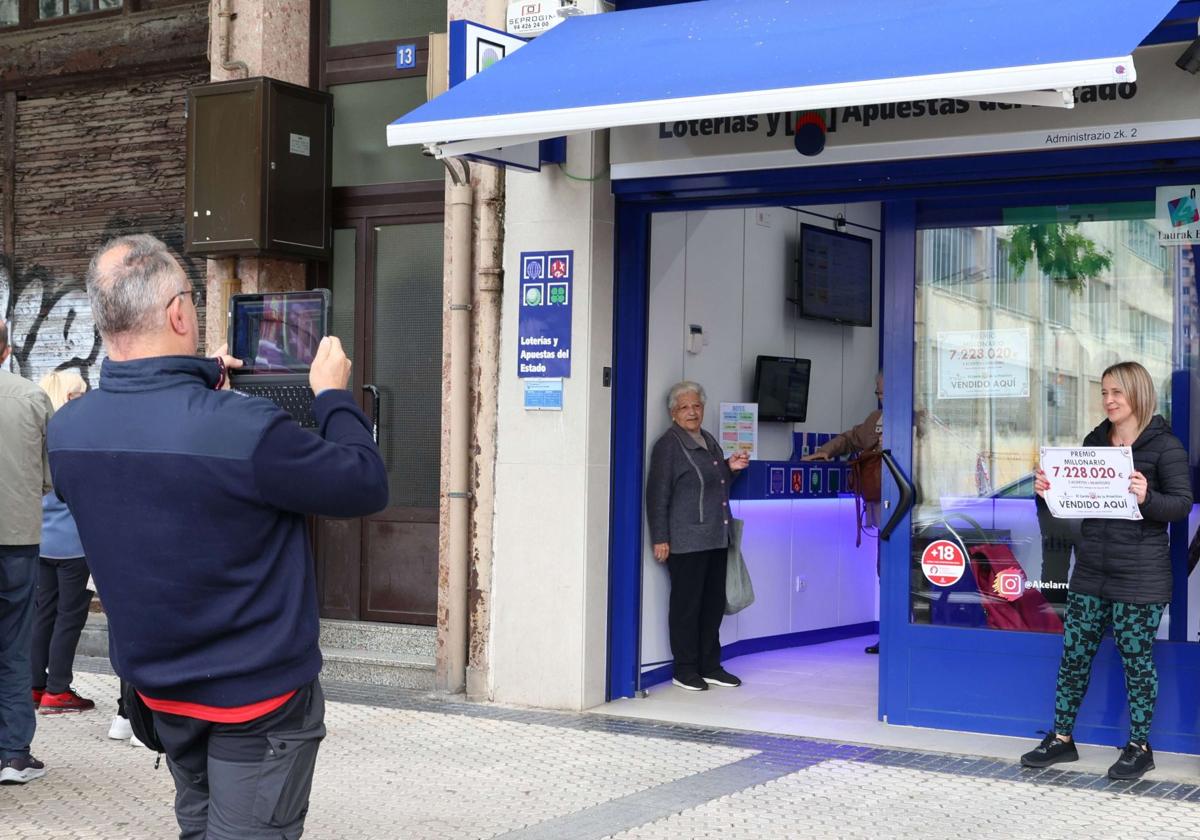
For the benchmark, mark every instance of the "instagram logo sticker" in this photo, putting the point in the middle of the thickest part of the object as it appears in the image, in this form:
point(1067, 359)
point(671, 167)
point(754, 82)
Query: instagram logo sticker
point(1009, 584)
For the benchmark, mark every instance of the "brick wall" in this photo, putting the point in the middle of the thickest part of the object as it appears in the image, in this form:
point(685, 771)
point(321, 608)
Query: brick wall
point(91, 164)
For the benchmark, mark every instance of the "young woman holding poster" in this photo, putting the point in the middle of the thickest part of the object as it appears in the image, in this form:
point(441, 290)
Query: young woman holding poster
point(1122, 572)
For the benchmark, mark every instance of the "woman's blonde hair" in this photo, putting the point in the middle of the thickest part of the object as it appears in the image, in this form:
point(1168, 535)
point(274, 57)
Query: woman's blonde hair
point(1138, 386)
point(61, 384)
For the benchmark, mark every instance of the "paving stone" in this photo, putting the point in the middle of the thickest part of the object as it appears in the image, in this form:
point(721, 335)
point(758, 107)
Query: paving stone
point(409, 765)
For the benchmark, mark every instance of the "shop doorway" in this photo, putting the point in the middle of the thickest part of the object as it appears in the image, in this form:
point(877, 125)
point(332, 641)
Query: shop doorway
point(732, 290)
point(954, 657)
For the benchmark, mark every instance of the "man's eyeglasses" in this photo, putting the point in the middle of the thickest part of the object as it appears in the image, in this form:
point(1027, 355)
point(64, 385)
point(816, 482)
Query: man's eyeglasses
point(190, 292)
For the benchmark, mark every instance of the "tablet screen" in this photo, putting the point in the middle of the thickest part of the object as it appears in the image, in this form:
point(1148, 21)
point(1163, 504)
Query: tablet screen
point(277, 333)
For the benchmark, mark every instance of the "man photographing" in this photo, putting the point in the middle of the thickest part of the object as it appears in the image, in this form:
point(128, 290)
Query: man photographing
point(190, 501)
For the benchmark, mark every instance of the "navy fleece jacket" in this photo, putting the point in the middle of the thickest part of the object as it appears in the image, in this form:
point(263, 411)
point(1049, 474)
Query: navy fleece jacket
point(190, 504)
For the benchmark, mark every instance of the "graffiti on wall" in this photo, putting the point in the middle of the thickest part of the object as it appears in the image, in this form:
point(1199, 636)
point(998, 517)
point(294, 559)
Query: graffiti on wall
point(50, 325)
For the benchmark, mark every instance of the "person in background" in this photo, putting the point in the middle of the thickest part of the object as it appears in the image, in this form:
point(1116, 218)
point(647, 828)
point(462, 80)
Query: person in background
point(24, 479)
point(687, 505)
point(1122, 572)
point(867, 436)
point(864, 437)
point(61, 603)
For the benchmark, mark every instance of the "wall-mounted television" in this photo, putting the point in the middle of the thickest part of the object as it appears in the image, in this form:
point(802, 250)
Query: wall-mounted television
point(833, 281)
point(781, 388)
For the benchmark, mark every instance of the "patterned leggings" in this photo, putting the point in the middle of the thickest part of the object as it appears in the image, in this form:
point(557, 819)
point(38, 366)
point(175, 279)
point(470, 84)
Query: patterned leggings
point(1134, 629)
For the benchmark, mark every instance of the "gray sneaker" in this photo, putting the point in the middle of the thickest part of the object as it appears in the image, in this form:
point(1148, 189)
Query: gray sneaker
point(18, 771)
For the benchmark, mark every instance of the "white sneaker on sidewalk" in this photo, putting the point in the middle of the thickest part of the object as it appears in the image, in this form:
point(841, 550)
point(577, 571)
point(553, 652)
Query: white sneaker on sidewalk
point(134, 741)
point(19, 771)
point(120, 730)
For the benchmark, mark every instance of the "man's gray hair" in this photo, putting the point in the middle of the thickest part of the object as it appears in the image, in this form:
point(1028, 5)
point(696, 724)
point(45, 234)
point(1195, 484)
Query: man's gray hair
point(131, 296)
point(685, 387)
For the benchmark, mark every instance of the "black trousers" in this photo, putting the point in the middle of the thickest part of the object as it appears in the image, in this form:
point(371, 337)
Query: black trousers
point(696, 608)
point(59, 615)
point(245, 781)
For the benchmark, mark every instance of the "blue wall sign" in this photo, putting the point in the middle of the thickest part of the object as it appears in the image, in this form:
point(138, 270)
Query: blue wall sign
point(406, 56)
point(544, 325)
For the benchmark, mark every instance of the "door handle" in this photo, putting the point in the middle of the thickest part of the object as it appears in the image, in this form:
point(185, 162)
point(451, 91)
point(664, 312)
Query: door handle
point(907, 494)
point(375, 404)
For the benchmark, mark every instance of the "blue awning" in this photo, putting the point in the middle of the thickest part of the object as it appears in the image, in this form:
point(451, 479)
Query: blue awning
point(719, 58)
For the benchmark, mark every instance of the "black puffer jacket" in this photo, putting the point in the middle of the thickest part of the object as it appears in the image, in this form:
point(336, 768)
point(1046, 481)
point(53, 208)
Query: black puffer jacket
point(1130, 560)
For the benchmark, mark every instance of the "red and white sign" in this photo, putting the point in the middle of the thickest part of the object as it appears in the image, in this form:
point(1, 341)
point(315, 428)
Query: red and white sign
point(943, 563)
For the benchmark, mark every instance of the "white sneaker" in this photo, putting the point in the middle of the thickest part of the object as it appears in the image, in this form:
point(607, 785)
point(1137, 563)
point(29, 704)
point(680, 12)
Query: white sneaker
point(134, 741)
point(19, 771)
point(120, 730)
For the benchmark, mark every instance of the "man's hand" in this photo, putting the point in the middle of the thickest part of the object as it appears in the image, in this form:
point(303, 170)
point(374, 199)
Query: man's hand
point(662, 551)
point(330, 368)
point(816, 456)
point(230, 363)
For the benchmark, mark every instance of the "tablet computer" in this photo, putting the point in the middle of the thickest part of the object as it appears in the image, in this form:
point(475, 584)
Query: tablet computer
point(276, 336)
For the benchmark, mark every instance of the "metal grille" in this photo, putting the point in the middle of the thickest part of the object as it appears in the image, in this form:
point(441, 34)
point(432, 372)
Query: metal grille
point(408, 358)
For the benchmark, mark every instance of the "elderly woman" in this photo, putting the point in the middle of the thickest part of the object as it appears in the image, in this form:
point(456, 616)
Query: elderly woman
point(687, 504)
point(61, 603)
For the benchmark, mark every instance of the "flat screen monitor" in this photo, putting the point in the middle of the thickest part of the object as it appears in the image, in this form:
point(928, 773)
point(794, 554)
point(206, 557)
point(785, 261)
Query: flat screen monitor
point(781, 388)
point(834, 277)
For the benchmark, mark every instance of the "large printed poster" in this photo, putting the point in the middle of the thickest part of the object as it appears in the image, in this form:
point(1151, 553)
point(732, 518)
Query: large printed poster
point(1089, 483)
point(983, 363)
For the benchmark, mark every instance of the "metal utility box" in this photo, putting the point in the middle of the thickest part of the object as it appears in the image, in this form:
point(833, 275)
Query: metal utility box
point(259, 164)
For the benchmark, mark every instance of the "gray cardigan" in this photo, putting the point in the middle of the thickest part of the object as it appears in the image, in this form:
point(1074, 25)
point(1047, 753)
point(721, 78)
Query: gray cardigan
point(687, 493)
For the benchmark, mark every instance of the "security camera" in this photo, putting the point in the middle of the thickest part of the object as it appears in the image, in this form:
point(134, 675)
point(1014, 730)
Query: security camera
point(1190, 60)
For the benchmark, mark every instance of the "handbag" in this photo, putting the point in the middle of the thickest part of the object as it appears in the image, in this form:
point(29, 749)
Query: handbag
point(865, 480)
point(866, 475)
point(739, 591)
point(141, 718)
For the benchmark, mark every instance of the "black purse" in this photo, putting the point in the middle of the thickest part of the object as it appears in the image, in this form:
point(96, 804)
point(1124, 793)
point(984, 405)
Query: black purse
point(141, 717)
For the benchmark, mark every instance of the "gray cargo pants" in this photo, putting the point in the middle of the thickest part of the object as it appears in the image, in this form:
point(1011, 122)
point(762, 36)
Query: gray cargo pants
point(245, 781)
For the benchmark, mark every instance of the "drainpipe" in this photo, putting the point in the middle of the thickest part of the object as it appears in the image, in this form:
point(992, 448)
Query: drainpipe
point(225, 14)
point(459, 206)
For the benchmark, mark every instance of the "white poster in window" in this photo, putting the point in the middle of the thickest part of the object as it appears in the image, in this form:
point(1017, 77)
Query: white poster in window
point(983, 363)
point(739, 429)
point(1089, 483)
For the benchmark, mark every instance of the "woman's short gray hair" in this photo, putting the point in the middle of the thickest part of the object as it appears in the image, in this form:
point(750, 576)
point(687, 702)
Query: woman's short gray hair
point(130, 297)
point(685, 387)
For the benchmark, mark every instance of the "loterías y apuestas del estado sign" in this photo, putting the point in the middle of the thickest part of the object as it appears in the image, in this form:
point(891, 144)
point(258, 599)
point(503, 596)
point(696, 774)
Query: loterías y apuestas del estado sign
point(1157, 107)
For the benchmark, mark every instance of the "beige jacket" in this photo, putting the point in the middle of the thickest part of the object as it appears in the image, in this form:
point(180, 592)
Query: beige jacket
point(866, 436)
point(24, 469)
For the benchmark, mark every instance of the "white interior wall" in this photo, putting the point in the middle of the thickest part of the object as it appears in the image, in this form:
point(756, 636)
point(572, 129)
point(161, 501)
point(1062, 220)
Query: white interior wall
point(731, 271)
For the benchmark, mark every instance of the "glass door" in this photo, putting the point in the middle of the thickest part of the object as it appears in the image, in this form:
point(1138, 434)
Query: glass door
point(1016, 313)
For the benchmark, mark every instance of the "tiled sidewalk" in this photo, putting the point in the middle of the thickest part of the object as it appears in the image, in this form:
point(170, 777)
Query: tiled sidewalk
point(402, 765)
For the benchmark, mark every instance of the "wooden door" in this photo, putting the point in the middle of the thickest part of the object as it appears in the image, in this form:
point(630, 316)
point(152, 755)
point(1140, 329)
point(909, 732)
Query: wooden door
point(386, 278)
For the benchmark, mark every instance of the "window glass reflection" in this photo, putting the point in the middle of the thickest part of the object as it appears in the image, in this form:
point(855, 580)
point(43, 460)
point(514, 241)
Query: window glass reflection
point(1014, 324)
